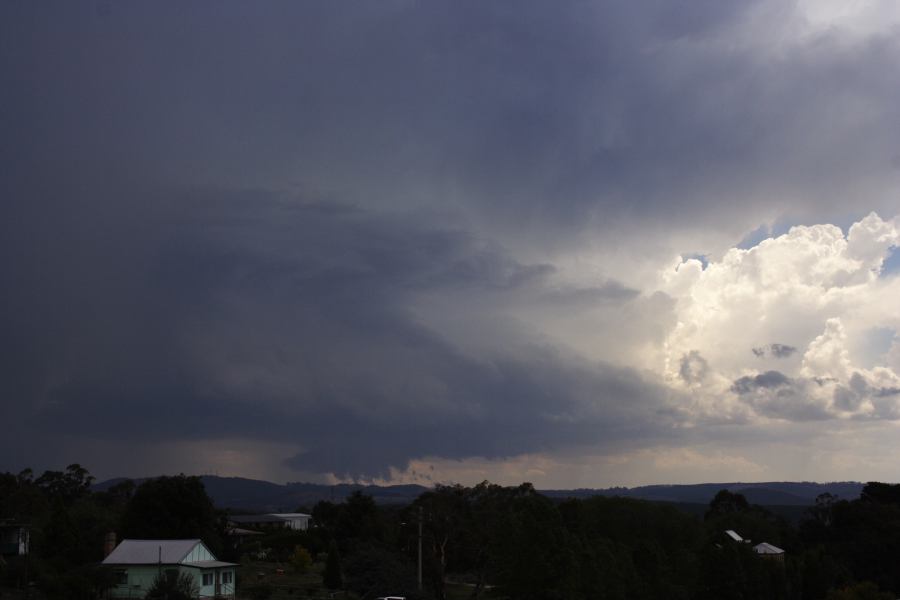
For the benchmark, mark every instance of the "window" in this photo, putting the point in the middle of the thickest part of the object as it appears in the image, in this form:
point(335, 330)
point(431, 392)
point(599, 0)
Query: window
point(207, 579)
point(226, 576)
point(121, 576)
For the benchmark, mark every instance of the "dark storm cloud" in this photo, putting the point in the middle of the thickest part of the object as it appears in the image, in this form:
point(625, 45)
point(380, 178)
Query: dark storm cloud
point(386, 147)
point(246, 315)
point(535, 115)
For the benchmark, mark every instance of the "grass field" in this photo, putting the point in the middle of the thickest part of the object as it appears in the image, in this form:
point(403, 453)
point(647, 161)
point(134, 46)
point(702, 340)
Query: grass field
point(287, 584)
point(284, 582)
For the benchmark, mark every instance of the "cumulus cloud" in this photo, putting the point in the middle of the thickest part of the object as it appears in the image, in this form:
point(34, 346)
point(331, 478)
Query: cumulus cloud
point(818, 285)
point(693, 367)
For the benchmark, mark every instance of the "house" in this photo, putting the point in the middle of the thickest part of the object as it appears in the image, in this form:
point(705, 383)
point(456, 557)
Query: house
point(769, 551)
point(297, 521)
point(15, 538)
point(137, 563)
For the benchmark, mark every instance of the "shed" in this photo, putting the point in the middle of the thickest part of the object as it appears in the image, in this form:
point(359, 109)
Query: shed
point(767, 550)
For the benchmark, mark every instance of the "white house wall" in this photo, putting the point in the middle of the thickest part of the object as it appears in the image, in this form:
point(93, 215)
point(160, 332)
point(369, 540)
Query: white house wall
point(198, 553)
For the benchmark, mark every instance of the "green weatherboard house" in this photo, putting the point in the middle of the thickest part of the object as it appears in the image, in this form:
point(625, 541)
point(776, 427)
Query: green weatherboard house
point(138, 562)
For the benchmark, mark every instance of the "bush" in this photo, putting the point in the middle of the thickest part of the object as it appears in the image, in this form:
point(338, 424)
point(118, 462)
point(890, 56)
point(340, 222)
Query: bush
point(173, 586)
point(301, 559)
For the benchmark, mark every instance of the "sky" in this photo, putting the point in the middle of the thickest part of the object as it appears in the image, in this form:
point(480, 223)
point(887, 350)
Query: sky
point(581, 244)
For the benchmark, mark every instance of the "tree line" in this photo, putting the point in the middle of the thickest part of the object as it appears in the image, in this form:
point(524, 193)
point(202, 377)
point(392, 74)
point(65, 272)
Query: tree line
point(513, 542)
point(483, 541)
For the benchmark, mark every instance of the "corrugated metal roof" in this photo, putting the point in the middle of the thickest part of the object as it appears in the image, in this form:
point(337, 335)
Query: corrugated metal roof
point(147, 552)
point(256, 519)
point(210, 564)
point(765, 548)
point(733, 535)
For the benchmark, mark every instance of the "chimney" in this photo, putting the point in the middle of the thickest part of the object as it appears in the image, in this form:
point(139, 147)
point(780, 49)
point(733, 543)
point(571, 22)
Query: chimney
point(109, 543)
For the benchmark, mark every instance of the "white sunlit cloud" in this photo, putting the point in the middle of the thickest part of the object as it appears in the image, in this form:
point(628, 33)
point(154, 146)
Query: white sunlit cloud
point(780, 330)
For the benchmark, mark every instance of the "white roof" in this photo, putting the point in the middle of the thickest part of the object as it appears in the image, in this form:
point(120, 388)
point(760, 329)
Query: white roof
point(291, 515)
point(147, 552)
point(733, 535)
point(765, 548)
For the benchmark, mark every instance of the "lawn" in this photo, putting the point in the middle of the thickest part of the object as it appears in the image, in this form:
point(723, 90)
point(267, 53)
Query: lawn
point(284, 582)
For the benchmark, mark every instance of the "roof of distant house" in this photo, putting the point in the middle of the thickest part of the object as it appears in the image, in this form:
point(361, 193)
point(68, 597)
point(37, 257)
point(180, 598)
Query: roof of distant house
point(733, 535)
point(256, 519)
point(291, 515)
point(765, 548)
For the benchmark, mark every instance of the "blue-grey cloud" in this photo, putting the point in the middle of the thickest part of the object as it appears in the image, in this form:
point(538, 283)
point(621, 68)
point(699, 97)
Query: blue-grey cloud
point(774, 350)
point(858, 390)
point(767, 380)
point(773, 394)
point(236, 315)
point(542, 117)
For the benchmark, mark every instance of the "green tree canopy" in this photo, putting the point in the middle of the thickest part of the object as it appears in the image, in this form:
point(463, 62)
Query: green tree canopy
point(173, 508)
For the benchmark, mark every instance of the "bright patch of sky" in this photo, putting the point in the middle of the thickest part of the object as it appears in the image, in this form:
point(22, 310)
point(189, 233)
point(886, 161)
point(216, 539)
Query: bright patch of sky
point(891, 265)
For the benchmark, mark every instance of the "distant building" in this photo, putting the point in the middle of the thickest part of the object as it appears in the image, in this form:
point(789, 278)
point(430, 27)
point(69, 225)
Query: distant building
point(734, 535)
point(295, 520)
point(257, 521)
point(769, 551)
point(15, 538)
point(298, 521)
point(763, 549)
point(137, 563)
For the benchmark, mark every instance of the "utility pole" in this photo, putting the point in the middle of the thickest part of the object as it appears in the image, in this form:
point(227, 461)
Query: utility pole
point(420, 548)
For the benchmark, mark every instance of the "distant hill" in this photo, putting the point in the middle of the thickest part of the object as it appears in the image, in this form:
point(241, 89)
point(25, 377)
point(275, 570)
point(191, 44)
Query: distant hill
point(780, 493)
point(253, 495)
